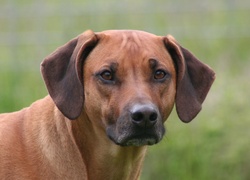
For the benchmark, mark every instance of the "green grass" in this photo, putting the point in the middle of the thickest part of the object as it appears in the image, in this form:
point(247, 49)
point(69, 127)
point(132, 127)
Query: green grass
point(213, 146)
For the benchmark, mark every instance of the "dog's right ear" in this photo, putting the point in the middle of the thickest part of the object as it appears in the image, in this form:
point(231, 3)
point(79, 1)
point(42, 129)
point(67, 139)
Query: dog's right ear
point(63, 73)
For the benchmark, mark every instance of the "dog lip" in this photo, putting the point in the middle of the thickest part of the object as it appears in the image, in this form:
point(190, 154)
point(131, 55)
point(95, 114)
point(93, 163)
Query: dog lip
point(139, 140)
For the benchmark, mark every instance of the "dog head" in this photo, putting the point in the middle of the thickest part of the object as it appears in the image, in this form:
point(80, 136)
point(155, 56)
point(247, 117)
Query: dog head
point(127, 82)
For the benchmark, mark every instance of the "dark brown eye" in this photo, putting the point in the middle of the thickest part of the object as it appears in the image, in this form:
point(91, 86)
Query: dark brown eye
point(159, 74)
point(107, 75)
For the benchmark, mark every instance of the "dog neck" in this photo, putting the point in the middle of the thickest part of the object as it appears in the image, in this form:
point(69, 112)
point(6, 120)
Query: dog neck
point(103, 158)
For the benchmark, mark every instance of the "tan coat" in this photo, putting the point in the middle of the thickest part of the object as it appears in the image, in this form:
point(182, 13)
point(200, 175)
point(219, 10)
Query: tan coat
point(109, 95)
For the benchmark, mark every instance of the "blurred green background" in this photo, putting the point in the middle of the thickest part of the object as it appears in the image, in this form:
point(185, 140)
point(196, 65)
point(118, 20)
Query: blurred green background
point(216, 145)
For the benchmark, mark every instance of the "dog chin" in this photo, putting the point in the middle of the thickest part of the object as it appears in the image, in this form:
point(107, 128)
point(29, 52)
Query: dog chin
point(140, 142)
point(136, 141)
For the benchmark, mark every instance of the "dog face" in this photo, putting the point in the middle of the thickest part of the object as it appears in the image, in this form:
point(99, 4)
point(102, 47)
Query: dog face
point(130, 86)
point(127, 83)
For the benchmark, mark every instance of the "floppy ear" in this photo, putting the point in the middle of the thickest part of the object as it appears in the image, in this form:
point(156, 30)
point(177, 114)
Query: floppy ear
point(194, 80)
point(63, 76)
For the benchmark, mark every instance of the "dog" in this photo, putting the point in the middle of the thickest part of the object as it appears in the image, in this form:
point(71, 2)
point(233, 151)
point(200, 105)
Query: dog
point(109, 95)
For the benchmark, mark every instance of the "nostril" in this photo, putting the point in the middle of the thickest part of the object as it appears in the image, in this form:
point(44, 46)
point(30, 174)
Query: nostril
point(153, 116)
point(137, 116)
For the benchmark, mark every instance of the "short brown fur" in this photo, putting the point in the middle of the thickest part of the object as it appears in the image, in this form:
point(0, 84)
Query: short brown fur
point(88, 126)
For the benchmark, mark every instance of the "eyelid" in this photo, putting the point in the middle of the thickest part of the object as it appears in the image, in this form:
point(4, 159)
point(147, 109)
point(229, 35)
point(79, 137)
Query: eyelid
point(166, 76)
point(99, 73)
point(108, 75)
point(103, 80)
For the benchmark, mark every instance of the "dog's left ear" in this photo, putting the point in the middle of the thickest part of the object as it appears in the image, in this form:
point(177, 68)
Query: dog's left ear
point(194, 80)
point(63, 73)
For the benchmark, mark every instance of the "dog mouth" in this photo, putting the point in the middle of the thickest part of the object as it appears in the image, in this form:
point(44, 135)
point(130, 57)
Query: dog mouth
point(137, 140)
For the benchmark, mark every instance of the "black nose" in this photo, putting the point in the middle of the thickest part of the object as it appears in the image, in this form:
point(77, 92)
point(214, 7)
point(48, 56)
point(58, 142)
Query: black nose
point(144, 115)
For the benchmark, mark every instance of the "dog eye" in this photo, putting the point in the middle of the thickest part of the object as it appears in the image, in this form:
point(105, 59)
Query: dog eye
point(106, 75)
point(159, 74)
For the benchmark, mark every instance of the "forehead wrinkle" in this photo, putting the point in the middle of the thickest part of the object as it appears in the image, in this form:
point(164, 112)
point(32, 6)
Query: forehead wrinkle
point(130, 41)
point(136, 38)
point(124, 41)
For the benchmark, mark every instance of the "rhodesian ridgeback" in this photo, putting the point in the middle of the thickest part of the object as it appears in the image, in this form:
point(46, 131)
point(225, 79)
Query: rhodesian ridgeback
point(109, 96)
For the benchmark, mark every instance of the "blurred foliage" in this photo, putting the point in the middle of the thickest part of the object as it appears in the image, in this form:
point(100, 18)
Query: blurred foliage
point(216, 144)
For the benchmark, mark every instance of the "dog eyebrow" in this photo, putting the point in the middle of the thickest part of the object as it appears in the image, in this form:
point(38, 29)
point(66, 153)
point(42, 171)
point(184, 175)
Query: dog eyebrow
point(113, 66)
point(153, 63)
